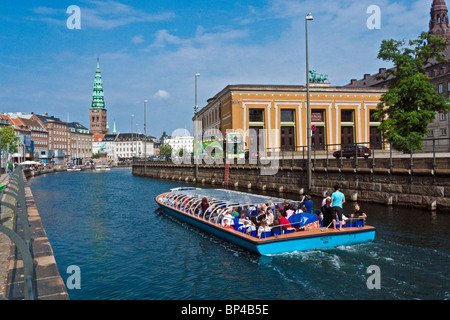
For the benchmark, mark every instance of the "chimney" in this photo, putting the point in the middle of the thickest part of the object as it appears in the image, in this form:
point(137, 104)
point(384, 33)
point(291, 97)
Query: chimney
point(382, 70)
point(366, 76)
point(353, 81)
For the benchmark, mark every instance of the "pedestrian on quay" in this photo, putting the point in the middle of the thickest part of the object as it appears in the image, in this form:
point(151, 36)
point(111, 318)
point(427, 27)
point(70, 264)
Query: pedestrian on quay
point(10, 167)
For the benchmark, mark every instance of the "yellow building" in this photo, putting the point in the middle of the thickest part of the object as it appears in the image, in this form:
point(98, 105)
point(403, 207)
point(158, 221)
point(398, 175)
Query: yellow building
point(339, 115)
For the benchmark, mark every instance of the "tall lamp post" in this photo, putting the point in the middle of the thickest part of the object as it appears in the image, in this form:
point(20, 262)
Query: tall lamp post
point(195, 131)
point(309, 17)
point(145, 129)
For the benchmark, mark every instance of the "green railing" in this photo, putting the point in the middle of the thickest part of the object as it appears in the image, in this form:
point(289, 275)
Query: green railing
point(15, 190)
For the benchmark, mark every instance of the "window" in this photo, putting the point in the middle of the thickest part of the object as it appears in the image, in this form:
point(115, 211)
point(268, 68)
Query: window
point(443, 132)
point(440, 88)
point(442, 117)
point(256, 115)
point(287, 115)
point(346, 115)
point(430, 133)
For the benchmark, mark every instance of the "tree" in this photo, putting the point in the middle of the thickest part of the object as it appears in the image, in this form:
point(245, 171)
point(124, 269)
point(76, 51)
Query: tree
point(165, 150)
point(411, 101)
point(8, 139)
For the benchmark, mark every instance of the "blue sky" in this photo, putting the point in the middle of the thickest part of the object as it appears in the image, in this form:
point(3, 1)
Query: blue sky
point(153, 49)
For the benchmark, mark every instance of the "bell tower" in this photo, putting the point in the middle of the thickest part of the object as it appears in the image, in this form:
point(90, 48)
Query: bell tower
point(98, 113)
point(439, 24)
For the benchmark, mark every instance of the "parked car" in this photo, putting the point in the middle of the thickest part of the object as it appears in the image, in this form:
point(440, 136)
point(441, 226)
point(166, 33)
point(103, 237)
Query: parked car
point(350, 151)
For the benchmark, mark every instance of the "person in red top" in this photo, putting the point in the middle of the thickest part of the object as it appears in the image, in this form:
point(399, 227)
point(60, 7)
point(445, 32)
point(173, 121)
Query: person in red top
point(283, 221)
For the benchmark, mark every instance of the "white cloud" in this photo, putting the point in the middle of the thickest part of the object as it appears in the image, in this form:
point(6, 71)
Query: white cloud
point(104, 15)
point(138, 39)
point(161, 94)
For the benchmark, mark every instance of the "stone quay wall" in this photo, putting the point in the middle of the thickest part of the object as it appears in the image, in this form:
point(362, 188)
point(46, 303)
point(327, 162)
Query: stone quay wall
point(420, 182)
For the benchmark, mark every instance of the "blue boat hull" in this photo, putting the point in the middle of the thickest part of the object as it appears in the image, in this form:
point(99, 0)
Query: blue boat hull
point(299, 241)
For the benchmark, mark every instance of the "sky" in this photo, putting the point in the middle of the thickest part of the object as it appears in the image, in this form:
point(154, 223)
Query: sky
point(152, 49)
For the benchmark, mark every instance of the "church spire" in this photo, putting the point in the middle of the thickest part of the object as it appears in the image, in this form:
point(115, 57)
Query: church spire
point(97, 95)
point(439, 24)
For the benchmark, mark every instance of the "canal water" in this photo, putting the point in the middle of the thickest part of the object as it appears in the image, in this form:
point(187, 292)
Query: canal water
point(108, 224)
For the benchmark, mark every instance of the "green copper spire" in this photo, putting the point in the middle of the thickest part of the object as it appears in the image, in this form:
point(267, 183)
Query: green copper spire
point(114, 128)
point(97, 96)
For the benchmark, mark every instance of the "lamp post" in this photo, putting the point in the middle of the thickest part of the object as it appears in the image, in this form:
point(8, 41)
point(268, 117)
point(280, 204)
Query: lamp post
point(195, 131)
point(309, 17)
point(145, 129)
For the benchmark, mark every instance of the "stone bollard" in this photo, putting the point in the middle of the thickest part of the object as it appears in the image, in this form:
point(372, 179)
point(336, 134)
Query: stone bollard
point(355, 197)
point(389, 201)
point(281, 189)
point(264, 187)
point(236, 184)
point(432, 206)
point(302, 191)
point(249, 186)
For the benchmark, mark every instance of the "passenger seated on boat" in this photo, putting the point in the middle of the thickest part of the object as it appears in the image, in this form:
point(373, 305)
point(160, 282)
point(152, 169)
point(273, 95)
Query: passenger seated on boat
point(263, 228)
point(289, 213)
point(227, 224)
point(269, 216)
point(261, 215)
point(244, 226)
point(235, 213)
point(243, 218)
point(358, 213)
point(204, 205)
point(251, 226)
point(276, 228)
point(226, 216)
point(285, 222)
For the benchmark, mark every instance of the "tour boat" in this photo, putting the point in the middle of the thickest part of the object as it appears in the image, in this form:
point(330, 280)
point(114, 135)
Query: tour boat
point(307, 232)
point(102, 168)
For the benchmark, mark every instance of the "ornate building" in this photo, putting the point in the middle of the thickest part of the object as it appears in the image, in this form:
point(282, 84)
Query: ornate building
point(439, 24)
point(98, 113)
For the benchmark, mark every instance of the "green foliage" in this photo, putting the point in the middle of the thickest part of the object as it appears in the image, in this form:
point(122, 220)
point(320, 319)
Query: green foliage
point(411, 102)
point(165, 150)
point(8, 139)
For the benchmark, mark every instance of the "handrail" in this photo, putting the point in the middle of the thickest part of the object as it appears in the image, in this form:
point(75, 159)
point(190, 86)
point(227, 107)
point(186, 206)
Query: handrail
point(16, 189)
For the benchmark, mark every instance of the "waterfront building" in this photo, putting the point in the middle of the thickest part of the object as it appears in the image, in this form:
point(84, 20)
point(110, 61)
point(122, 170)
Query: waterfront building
point(129, 145)
point(98, 114)
point(439, 74)
point(340, 115)
point(58, 132)
point(38, 133)
point(97, 143)
point(80, 142)
point(22, 132)
point(183, 142)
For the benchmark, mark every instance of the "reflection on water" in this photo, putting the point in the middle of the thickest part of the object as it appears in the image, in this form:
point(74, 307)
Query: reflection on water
point(109, 225)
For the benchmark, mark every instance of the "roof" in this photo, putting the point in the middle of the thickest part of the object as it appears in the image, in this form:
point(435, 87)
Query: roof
point(97, 137)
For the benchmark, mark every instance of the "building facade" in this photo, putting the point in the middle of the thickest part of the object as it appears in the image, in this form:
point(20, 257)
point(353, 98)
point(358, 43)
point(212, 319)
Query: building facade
point(278, 116)
point(80, 142)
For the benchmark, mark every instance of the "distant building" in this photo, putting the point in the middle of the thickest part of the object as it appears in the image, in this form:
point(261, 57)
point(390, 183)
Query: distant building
point(178, 143)
point(80, 142)
point(98, 114)
point(58, 132)
point(129, 145)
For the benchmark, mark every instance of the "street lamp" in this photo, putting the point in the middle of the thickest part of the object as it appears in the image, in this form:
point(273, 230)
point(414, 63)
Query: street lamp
point(145, 129)
point(309, 17)
point(195, 131)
